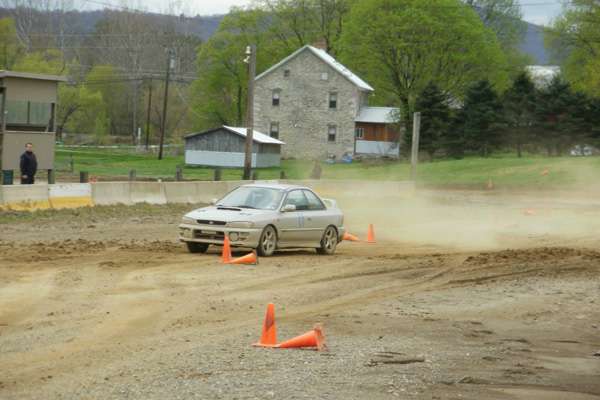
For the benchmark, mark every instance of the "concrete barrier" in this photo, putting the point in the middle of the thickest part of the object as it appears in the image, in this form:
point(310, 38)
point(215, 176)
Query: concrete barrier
point(70, 195)
point(111, 193)
point(208, 190)
point(25, 197)
point(235, 184)
point(181, 192)
point(147, 192)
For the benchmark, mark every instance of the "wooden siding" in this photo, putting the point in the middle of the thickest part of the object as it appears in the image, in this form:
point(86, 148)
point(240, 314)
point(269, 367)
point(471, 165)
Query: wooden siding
point(378, 132)
point(222, 140)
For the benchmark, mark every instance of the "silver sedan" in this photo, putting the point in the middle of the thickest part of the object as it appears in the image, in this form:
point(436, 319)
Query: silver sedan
point(266, 217)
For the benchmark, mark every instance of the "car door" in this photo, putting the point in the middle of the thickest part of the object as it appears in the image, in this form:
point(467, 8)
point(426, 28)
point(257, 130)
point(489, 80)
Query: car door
point(317, 217)
point(293, 227)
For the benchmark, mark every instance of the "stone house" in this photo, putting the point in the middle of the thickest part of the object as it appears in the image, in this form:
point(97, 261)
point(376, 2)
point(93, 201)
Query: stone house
point(310, 101)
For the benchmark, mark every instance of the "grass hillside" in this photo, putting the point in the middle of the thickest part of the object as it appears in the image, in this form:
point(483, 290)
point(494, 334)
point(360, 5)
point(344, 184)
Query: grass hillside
point(502, 169)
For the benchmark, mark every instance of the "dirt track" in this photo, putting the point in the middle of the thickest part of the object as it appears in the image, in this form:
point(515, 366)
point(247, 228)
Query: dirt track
point(101, 306)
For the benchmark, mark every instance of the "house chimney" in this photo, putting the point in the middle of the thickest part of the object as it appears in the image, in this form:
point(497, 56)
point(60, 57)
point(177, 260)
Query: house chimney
point(322, 44)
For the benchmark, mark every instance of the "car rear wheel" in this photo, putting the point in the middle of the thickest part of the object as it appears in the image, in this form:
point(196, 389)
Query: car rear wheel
point(267, 242)
point(194, 247)
point(329, 241)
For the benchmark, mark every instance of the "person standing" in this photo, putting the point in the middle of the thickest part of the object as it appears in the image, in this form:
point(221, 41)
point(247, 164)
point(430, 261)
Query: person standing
point(28, 165)
point(316, 172)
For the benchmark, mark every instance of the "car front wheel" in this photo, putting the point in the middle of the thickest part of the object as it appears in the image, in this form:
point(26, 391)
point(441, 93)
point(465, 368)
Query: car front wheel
point(329, 241)
point(267, 242)
point(194, 247)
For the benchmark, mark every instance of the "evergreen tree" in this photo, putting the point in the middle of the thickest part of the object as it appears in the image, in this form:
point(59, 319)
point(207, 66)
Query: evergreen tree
point(560, 114)
point(477, 124)
point(435, 118)
point(519, 110)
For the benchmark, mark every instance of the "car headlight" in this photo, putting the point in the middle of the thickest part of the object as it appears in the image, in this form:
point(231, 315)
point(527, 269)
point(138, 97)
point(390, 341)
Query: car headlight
point(186, 220)
point(240, 224)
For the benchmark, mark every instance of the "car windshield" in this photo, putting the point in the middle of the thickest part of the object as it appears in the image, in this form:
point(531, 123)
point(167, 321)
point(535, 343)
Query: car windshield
point(252, 197)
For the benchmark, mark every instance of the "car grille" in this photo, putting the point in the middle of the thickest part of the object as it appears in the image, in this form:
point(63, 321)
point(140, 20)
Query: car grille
point(210, 222)
point(212, 235)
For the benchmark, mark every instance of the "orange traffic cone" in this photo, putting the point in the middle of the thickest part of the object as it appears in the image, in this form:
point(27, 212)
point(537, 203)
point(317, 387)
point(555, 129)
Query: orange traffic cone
point(95, 180)
point(247, 259)
point(89, 178)
point(544, 172)
point(370, 235)
point(351, 238)
point(513, 225)
point(268, 338)
point(490, 184)
point(226, 257)
point(529, 212)
point(314, 338)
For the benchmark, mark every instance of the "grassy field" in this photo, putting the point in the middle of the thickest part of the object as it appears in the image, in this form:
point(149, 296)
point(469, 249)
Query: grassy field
point(501, 168)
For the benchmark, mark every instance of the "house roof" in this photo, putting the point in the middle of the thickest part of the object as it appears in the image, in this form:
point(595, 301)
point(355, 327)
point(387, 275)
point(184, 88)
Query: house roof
point(381, 115)
point(256, 135)
point(28, 75)
point(329, 60)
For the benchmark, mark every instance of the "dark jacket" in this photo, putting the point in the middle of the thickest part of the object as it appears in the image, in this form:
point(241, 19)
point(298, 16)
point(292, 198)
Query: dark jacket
point(28, 164)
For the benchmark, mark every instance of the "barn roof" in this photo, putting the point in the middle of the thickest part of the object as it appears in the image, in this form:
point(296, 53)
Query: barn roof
point(329, 60)
point(380, 115)
point(256, 135)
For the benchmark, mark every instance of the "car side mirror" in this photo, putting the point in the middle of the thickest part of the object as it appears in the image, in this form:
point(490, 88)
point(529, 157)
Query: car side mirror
point(213, 201)
point(289, 208)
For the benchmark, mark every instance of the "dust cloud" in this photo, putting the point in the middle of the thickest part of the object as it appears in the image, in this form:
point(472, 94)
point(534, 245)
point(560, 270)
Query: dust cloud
point(474, 219)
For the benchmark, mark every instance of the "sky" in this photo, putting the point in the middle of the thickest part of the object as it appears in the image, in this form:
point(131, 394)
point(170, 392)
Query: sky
point(535, 11)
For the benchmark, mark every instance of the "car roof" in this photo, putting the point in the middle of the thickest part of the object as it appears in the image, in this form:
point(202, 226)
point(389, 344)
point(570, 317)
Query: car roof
point(279, 186)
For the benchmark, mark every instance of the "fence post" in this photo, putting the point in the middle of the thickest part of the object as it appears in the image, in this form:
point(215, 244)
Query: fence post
point(217, 174)
point(254, 176)
point(414, 154)
point(178, 175)
point(84, 177)
point(131, 175)
point(282, 175)
point(51, 177)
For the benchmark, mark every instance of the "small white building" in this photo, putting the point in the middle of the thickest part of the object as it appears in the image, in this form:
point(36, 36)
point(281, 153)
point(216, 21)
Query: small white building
point(225, 147)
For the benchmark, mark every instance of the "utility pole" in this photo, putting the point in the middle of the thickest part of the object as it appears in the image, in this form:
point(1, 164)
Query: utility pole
point(148, 117)
point(251, 60)
point(414, 154)
point(170, 64)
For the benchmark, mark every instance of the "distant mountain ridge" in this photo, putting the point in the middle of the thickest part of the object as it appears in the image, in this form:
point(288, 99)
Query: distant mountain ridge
point(206, 26)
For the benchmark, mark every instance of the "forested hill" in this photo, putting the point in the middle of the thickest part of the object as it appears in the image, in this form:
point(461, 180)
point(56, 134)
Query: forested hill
point(206, 26)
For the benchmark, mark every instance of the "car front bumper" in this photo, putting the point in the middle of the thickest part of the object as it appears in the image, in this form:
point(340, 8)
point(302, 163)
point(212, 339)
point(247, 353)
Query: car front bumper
point(217, 234)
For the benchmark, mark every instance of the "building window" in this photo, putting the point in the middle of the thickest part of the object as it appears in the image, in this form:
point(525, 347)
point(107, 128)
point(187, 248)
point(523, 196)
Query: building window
point(332, 100)
point(360, 133)
point(28, 113)
point(324, 76)
point(276, 98)
point(286, 73)
point(274, 130)
point(331, 134)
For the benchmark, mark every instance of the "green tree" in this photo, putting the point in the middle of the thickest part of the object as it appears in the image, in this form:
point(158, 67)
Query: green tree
point(560, 117)
point(574, 40)
point(478, 121)
point(78, 109)
point(399, 46)
point(221, 86)
point(504, 18)
point(435, 118)
point(519, 110)
point(11, 50)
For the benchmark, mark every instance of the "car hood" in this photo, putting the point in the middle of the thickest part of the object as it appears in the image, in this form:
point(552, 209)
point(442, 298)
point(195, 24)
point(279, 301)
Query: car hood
point(226, 213)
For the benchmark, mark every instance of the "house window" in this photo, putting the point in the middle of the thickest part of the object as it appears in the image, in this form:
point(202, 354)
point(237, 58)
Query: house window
point(360, 133)
point(331, 134)
point(276, 98)
point(324, 76)
point(332, 100)
point(274, 130)
point(286, 73)
point(28, 113)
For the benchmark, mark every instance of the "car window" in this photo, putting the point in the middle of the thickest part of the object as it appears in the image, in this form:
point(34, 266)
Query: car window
point(252, 197)
point(314, 203)
point(296, 198)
